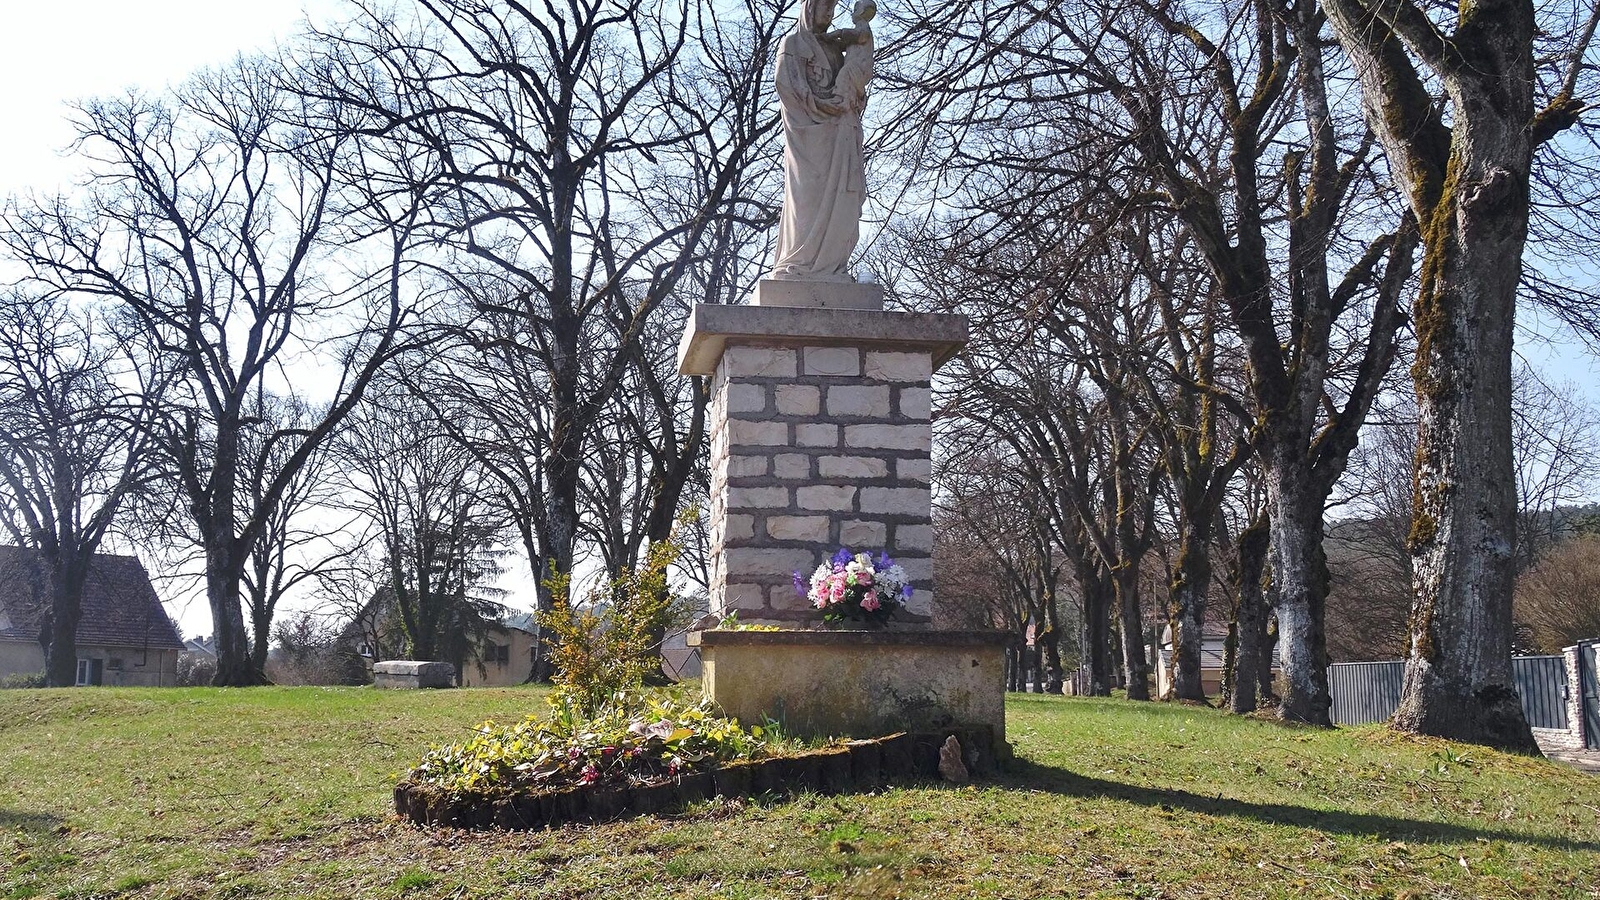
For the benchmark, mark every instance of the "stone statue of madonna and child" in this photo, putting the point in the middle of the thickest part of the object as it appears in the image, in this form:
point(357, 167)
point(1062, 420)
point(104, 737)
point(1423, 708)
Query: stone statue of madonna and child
point(822, 76)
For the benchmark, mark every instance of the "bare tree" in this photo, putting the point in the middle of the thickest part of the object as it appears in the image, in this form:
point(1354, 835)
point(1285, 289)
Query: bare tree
point(1230, 118)
point(553, 129)
point(428, 500)
point(208, 225)
point(1000, 563)
point(1558, 600)
point(72, 449)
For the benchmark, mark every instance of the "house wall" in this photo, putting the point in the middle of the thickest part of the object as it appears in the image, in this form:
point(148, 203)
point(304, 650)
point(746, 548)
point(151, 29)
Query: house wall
point(1213, 653)
point(21, 658)
point(519, 661)
point(140, 667)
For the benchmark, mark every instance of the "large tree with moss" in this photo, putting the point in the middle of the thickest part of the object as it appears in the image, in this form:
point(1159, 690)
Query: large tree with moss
point(1465, 166)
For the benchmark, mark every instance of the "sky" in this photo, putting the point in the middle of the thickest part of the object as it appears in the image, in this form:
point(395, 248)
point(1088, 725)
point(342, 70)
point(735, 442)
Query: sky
point(52, 53)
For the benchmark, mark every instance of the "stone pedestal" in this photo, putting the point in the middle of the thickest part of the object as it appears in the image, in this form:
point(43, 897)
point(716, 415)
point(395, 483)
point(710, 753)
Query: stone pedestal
point(820, 438)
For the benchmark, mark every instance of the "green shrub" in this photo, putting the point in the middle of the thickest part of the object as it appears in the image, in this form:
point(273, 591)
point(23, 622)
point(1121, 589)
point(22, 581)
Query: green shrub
point(610, 645)
point(22, 680)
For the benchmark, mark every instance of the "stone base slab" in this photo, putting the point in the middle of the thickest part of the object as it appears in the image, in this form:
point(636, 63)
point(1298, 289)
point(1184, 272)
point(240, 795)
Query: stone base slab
point(817, 294)
point(407, 674)
point(857, 683)
point(712, 326)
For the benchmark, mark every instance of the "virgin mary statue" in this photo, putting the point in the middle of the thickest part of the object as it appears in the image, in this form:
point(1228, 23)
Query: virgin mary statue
point(822, 85)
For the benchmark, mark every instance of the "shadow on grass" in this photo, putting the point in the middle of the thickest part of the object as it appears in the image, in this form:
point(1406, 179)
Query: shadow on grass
point(29, 822)
point(1031, 775)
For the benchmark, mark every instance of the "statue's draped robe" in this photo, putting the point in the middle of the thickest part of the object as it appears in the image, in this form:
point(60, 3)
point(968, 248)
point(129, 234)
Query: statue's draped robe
point(823, 185)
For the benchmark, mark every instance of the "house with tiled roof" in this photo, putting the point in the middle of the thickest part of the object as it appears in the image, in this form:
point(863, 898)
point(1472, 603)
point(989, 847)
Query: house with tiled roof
point(124, 636)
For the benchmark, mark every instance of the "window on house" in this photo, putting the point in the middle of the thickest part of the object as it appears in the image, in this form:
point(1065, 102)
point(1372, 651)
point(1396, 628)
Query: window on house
point(499, 654)
point(114, 664)
point(91, 672)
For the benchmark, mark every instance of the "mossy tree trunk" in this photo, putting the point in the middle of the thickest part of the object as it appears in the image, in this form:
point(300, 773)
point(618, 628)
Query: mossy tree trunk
point(1468, 186)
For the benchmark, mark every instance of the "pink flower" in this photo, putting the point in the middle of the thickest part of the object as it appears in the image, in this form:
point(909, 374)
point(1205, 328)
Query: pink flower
point(590, 774)
point(864, 578)
point(870, 601)
point(836, 592)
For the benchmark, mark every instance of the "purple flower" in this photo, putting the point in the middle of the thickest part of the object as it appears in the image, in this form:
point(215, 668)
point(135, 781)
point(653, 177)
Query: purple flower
point(905, 592)
point(843, 557)
point(884, 561)
point(799, 585)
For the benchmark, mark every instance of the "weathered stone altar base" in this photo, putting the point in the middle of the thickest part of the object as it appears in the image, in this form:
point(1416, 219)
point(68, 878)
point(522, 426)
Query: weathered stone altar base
point(857, 683)
point(858, 766)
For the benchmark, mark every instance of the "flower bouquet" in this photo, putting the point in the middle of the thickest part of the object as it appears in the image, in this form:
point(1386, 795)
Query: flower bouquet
point(857, 587)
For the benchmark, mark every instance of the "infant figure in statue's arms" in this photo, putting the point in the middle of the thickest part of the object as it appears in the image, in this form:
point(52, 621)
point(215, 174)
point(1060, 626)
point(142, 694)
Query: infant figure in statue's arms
point(856, 45)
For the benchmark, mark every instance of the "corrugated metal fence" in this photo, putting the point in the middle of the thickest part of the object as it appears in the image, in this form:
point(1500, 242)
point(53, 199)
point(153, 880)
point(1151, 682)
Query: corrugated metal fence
point(1370, 691)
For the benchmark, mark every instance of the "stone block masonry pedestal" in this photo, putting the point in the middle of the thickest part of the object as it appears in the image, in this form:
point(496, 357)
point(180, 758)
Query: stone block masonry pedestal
point(820, 438)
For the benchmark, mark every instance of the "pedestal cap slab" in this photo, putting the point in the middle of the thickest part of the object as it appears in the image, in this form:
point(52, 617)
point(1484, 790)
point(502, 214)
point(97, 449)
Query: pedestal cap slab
point(713, 326)
point(817, 294)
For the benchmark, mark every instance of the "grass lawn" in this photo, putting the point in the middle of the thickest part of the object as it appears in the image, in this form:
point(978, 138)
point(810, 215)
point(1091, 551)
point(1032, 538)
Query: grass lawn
point(285, 792)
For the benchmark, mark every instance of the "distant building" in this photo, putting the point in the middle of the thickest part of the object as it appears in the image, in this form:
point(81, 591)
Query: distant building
point(1213, 654)
point(124, 636)
point(202, 648)
point(504, 654)
point(494, 654)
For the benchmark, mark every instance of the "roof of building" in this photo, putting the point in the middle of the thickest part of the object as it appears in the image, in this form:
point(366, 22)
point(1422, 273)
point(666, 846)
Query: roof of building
point(1210, 630)
point(120, 606)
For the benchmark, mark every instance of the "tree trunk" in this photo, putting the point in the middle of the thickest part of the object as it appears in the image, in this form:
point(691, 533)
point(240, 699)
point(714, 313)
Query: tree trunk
point(1300, 576)
point(1458, 680)
point(1265, 683)
point(1250, 626)
point(1135, 665)
point(1191, 583)
point(260, 637)
point(234, 665)
point(66, 580)
point(1052, 648)
point(1097, 631)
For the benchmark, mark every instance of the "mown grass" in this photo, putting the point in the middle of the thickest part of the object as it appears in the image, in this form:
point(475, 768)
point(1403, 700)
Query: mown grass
point(286, 793)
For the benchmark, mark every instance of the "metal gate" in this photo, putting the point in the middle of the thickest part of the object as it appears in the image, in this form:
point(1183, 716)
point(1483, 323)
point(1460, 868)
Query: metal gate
point(1369, 691)
point(1589, 683)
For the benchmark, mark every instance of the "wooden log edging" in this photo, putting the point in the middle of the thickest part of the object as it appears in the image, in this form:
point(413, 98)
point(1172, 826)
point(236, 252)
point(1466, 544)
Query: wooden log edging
point(855, 767)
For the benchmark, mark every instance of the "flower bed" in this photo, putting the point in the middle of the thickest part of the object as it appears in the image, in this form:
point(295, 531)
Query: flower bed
point(632, 739)
point(848, 767)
